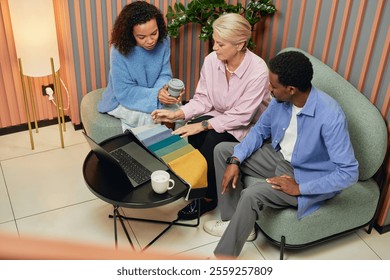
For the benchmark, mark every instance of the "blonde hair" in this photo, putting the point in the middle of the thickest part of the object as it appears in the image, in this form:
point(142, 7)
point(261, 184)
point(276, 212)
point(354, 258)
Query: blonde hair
point(233, 28)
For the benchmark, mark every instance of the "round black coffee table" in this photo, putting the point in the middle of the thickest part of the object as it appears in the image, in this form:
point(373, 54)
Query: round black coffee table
point(113, 187)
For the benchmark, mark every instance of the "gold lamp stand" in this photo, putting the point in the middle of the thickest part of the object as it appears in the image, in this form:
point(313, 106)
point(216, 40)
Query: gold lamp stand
point(58, 101)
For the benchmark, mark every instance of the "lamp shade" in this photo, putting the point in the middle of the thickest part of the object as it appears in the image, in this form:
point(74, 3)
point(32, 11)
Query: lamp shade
point(35, 35)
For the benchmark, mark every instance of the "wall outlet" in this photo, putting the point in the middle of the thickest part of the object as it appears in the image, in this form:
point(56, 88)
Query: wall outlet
point(46, 86)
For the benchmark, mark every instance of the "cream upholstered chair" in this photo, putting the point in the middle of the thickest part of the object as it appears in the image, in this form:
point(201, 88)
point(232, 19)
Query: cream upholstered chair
point(354, 207)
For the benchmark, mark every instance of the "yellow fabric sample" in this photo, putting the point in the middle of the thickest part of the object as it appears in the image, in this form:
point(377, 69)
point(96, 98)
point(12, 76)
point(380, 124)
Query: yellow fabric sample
point(192, 168)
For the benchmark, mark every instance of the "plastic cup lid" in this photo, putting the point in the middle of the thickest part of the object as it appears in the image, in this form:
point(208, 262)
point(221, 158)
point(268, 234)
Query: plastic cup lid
point(176, 84)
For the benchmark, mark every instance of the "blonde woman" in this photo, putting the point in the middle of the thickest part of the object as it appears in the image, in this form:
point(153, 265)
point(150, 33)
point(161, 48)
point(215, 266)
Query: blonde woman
point(230, 95)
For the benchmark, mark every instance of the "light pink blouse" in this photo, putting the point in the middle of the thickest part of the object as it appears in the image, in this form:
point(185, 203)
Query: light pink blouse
point(234, 104)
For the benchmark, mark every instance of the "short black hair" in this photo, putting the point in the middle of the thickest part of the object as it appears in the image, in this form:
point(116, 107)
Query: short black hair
point(293, 69)
point(138, 12)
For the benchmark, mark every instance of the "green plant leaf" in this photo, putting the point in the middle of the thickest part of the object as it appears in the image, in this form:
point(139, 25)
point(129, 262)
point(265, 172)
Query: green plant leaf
point(169, 14)
point(177, 8)
point(204, 12)
point(182, 7)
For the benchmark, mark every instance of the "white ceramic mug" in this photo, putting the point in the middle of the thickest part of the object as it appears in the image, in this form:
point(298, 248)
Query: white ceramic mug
point(161, 181)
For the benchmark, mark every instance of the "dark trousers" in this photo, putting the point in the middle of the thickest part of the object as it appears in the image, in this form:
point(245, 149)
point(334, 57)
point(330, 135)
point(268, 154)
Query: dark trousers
point(205, 143)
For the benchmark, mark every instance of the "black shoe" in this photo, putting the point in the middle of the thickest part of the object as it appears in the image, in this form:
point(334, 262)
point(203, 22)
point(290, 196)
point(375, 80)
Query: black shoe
point(190, 212)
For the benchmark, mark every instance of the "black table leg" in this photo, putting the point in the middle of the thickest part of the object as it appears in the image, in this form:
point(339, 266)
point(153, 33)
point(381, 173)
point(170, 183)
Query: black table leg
point(169, 223)
point(116, 215)
point(115, 228)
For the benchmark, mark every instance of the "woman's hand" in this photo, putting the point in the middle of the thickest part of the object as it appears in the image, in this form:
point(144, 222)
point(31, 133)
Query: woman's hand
point(159, 116)
point(165, 98)
point(181, 94)
point(189, 129)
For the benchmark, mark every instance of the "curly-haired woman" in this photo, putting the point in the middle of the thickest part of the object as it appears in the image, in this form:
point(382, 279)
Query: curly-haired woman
point(140, 66)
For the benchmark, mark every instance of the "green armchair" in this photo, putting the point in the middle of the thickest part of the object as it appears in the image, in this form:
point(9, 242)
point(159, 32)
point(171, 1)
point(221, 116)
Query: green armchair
point(97, 126)
point(356, 206)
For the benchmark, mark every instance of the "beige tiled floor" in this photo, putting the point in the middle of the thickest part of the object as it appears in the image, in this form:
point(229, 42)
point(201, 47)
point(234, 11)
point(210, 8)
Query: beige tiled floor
point(43, 194)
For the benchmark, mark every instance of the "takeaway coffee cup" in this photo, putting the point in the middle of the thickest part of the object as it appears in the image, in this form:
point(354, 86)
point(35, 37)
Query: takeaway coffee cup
point(174, 87)
point(161, 181)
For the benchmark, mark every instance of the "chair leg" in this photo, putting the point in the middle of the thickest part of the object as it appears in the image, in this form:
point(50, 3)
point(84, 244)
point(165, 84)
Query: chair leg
point(282, 243)
point(370, 226)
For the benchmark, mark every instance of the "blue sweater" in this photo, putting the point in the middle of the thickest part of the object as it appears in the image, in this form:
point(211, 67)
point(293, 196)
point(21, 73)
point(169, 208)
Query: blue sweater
point(135, 79)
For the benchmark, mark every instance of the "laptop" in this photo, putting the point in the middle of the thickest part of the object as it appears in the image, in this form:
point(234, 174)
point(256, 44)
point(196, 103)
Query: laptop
point(137, 163)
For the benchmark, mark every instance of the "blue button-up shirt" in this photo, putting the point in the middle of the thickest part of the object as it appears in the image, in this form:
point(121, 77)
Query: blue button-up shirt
point(323, 158)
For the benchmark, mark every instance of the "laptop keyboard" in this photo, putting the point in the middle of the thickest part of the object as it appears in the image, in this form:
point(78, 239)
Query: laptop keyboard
point(132, 167)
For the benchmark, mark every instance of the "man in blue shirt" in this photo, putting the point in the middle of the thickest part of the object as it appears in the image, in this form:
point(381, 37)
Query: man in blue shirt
point(300, 146)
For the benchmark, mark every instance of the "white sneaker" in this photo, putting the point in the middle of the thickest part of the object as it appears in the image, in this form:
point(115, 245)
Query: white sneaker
point(215, 227)
point(218, 227)
point(252, 236)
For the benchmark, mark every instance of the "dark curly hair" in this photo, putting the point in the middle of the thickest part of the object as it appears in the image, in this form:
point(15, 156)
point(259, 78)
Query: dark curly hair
point(138, 12)
point(293, 69)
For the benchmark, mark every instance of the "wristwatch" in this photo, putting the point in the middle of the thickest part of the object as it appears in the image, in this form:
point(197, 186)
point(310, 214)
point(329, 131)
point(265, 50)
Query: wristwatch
point(232, 160)
point(205, 124)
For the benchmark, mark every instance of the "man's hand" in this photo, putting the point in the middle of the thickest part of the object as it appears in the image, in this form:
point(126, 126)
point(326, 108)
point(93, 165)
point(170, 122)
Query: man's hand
point(230, 177)
point(285, 184)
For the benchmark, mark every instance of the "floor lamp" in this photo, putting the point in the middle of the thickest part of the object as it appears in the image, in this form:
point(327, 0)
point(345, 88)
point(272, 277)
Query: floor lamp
point(36, 46)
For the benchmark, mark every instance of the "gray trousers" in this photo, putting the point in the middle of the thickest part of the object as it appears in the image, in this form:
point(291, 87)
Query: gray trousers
point(242, 205)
